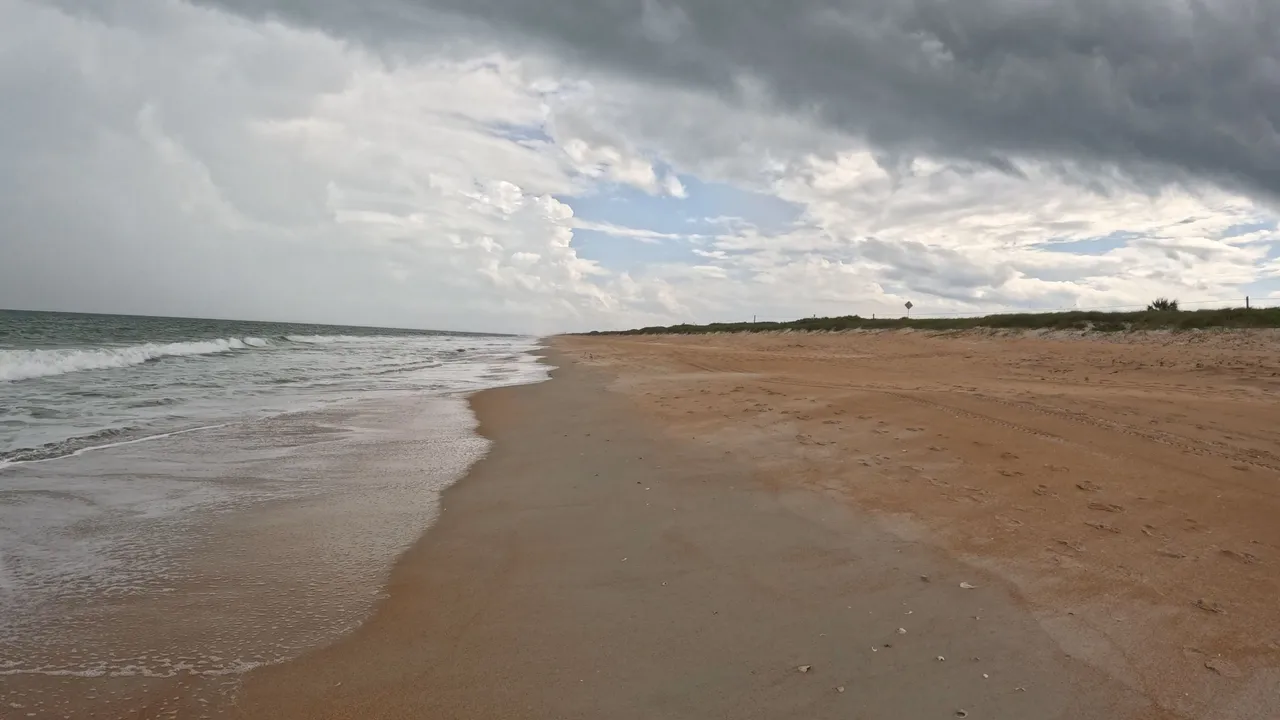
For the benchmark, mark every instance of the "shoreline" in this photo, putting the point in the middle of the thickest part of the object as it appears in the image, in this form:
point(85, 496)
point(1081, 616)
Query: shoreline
point(591, 565)
point(305, 514)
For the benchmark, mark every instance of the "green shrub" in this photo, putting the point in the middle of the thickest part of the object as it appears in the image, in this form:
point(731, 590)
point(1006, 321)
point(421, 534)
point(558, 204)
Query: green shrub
point(1153, 318)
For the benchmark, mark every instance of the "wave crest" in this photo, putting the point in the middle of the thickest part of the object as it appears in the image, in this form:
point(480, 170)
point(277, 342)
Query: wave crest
point(101, 440)
point(328, 339)
point(27, 364)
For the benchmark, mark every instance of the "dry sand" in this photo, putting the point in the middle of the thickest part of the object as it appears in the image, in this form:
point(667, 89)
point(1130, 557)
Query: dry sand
point(783, 530)
point(1125, 487)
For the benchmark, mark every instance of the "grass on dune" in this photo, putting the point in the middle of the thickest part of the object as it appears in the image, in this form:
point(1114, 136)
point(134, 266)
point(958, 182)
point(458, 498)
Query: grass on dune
point(1152, 319)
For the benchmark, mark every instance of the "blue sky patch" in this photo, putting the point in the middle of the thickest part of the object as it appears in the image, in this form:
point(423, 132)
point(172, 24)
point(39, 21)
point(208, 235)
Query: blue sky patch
point(693, 215)
point(1261, 288)
point(625, 254)
point(1246, 228)
point(520, 134)
point(1091, 246)
point(632, 207)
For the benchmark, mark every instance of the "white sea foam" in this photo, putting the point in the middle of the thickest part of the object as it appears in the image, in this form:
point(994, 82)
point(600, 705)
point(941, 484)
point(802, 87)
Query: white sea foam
point(26, 364)
point(139, 527)
point(329, 339)
point(148, 667)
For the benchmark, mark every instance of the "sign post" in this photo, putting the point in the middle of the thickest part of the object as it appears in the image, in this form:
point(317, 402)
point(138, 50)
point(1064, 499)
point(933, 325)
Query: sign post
point(909, 306)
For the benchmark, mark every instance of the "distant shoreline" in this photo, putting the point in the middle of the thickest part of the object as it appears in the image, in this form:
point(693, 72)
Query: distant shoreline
point(301, 324)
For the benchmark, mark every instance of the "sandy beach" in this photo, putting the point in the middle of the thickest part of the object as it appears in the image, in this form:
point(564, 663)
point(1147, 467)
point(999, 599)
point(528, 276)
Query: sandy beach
point(1123, 486)
point(860, 525)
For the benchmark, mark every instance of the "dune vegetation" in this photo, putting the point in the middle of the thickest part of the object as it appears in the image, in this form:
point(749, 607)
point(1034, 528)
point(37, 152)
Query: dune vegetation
point(1160, 315)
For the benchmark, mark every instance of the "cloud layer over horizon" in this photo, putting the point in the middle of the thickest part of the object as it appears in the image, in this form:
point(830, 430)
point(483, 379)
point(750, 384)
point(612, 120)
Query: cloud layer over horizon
point(548, 165)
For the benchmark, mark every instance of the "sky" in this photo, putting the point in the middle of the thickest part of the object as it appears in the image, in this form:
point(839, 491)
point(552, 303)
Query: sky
point(539, 166)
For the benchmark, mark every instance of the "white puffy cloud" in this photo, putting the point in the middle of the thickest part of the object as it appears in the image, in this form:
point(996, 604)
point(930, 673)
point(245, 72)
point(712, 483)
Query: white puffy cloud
point(201, 164)
point(964, 239)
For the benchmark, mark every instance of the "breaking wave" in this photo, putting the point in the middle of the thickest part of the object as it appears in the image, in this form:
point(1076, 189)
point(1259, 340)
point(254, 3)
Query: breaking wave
point(26, 364)
point(330, 339)
point(109, 438)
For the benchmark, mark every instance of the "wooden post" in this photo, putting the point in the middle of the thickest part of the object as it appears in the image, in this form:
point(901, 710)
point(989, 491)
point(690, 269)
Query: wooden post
point(1246, 302)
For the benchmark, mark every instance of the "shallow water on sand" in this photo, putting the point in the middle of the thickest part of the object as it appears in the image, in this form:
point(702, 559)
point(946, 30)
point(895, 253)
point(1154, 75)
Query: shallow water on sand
point(152, 570)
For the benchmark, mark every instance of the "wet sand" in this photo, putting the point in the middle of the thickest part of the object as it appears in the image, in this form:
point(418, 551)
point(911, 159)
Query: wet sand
point(654, 534)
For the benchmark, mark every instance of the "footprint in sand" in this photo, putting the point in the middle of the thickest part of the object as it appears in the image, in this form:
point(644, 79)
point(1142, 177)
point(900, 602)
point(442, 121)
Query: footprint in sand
point(1044, 491)
point(1008, 456)
point(1103, 526)
point(1242, 557)
point(1088, 486)
point(1223, 668)
point(1106, 507)
point(1210, 606)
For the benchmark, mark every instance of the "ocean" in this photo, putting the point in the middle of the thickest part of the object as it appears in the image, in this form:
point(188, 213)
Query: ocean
point(183, 500)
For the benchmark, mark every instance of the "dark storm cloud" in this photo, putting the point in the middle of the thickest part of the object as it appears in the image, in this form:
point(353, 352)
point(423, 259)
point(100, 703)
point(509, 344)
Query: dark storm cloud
point(1178, 87)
